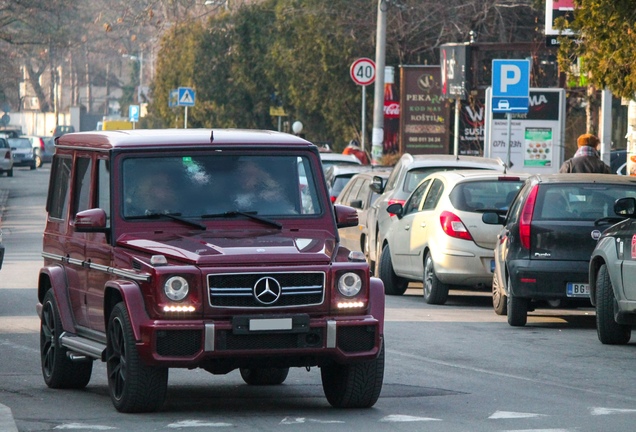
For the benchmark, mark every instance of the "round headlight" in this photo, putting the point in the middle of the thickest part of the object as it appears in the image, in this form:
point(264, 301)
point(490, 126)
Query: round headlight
point(176, 288)
point(349, 284)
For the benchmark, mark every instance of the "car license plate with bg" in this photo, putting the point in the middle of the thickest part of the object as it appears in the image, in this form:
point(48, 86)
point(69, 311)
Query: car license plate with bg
point(578, 289)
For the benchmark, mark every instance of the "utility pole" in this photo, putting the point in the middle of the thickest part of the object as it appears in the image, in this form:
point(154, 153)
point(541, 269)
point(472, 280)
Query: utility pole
point(377, 136)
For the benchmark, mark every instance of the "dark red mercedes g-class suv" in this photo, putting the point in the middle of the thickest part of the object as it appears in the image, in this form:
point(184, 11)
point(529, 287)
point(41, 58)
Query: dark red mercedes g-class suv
point(213, 249)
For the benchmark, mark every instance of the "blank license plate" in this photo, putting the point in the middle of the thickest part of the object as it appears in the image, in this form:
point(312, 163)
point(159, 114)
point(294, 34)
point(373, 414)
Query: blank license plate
point(271, 324)
point(578, 290)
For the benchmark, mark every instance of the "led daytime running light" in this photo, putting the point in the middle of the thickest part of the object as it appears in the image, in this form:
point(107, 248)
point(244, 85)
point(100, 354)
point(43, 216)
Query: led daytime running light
point(179, 308)
point(350, 305)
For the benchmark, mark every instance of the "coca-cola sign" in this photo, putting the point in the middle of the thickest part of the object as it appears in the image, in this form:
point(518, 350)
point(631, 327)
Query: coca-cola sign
point(391, 109)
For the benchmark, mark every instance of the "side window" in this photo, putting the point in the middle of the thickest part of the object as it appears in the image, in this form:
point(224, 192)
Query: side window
point(364, 192)
point(103, 187)
point(59, 187)
point(414, 201)
point(515, 206)
point(433, 195)
point(353, 191)
point(82, 189)
point(395, 173)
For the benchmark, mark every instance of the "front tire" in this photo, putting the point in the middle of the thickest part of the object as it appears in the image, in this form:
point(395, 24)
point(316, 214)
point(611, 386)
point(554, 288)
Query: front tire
point(434, 291)
point(393, 284)
point(133, 386)
point(356, 385)
point(58, 370)
point(499, 299)
point(608, 330)
point(517, 308)
point(264, 376)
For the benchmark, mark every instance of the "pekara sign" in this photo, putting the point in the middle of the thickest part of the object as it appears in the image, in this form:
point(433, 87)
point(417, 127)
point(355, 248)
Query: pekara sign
point(425, 116)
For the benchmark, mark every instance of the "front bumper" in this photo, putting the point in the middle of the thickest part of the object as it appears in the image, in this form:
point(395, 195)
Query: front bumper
point(550, 277)
point(228, 344)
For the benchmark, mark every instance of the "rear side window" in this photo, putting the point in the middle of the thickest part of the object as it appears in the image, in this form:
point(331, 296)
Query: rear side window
point(59, 187)
point(579, 202)
point(484, 194)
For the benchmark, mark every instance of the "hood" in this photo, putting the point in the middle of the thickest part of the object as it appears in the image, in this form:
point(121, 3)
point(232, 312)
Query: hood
point(235, 247)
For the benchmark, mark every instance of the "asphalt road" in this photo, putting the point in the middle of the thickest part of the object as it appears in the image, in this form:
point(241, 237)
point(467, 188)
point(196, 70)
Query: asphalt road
point(457, 367)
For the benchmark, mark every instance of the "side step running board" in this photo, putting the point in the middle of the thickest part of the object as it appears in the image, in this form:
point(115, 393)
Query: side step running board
point(80, 345)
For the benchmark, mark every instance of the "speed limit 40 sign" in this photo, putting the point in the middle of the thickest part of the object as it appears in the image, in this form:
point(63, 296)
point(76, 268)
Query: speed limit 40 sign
point(363, 71)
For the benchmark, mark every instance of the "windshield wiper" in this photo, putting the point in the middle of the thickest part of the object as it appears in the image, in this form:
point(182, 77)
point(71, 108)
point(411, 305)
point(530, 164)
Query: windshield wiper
point(174, 216)
point(252, 215)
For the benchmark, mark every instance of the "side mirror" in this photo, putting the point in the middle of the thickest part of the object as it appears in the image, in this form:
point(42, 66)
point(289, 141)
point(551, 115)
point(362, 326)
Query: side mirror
point(377, 185)
point(345, 216)
point(493, 218)
point(356, 203)
point(91, 220)
point(625, 207)
point(396, 209)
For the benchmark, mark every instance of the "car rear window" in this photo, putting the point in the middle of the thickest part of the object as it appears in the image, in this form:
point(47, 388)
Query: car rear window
point(579, 202)
point(415, 176)
point(21, 143)
point(484, 194)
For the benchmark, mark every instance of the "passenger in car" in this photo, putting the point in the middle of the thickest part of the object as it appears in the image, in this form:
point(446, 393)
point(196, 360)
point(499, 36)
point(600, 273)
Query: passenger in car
point(259, 191)
point(154, 192)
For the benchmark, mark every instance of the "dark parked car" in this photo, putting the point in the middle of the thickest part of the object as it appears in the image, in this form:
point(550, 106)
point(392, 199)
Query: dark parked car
point(612, 276)
point(43, 148)
point(23, 153)
point(549, 233)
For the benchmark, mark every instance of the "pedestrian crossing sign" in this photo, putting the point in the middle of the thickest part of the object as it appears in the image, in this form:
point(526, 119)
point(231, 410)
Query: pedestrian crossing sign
point(186, 97)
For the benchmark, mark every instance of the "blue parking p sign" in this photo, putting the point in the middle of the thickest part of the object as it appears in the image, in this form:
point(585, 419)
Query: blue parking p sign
point(133, 113)
point(510, 86)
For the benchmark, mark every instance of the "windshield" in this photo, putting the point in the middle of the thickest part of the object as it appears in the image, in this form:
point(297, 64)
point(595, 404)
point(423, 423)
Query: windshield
point(201, 186)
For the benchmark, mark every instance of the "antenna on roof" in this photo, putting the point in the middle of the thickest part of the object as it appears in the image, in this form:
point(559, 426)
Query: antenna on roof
point(211, 136)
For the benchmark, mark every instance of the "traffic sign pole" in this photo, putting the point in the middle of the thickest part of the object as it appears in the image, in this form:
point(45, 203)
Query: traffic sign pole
point(362, 72)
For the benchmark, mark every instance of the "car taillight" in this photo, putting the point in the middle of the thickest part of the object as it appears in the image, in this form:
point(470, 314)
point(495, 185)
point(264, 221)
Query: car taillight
point(333, 199)
point(7, 155)
point(453, 226)
point(41, 144)
point(395, 201)
point(526, 218)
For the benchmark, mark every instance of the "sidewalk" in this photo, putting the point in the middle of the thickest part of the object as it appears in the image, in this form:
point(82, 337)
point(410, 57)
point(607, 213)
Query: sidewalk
point(7, 424)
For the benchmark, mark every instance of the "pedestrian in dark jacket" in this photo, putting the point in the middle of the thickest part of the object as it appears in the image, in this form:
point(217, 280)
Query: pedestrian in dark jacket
point(586, 159)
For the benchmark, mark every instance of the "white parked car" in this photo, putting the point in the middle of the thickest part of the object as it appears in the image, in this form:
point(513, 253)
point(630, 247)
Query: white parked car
point(438, 236)
point(6, 157)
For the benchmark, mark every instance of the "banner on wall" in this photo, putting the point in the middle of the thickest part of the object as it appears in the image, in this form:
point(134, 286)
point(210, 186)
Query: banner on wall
point(425, 115)
point(472, 119)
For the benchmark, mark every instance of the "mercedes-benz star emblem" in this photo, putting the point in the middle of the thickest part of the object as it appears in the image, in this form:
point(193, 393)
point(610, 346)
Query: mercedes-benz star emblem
point(267, 290)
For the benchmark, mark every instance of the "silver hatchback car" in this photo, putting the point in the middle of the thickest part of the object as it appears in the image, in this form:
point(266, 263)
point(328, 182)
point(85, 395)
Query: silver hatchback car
point(438, 236)
point(405, 176)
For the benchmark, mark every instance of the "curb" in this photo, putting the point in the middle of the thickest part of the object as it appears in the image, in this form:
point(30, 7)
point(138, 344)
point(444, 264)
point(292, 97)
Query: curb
point(6, 420)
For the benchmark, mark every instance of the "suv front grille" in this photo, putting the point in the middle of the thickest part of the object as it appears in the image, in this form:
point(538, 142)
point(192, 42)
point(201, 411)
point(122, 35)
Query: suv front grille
point(240, 289)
